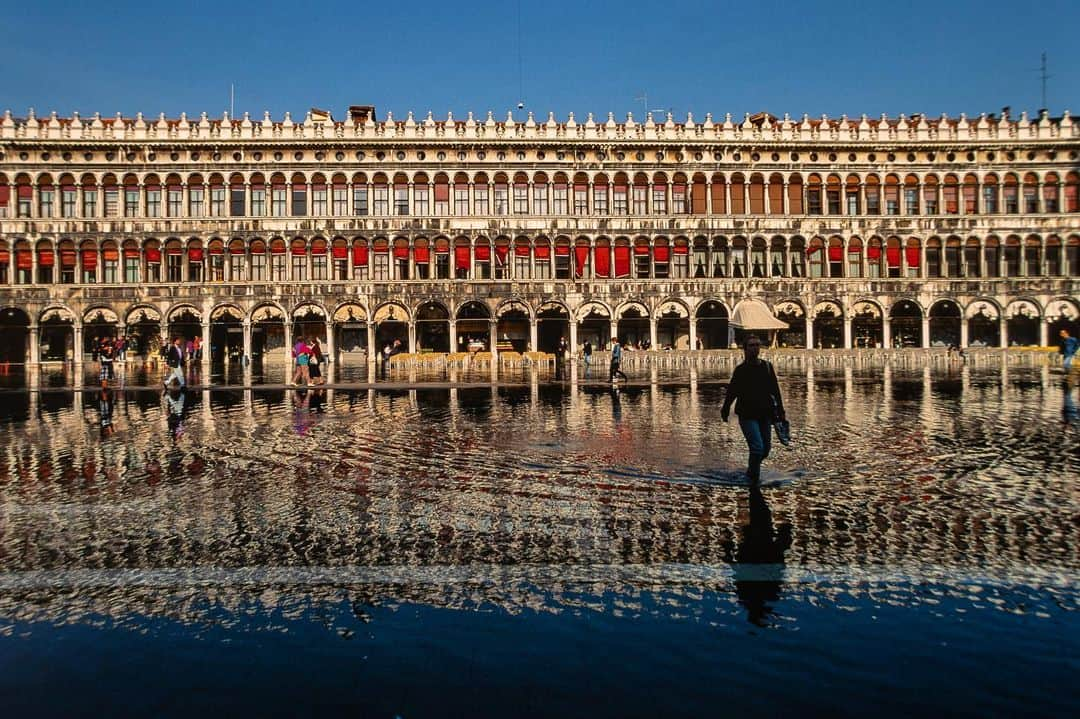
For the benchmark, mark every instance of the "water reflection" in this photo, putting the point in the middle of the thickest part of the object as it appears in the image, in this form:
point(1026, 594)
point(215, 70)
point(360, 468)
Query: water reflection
point(535, 496)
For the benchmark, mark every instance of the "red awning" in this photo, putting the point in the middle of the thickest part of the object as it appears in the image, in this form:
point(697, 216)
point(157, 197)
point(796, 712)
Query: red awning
point(4, 194)
point(581, 256)
point(131, 252)
point(660, 253)
point(501, 251)
point(110, 255)
point(5, 257)
point(421, 254)
point(278, 249)
point(216, 249)
point(359, 255)
point(543, 252)
point(298, 250)
point(236, 249)
point(461, 258)
point(67, 258)
point(562, 250)
point(195, 254)
point(602, 262)
point(318, 249)
point(401, 253)
point(46, 258)
point(641, 249)
point(911, 254)
point(873, 253)
point(23, 259)
point(836, 254)
point(622, 261)
point(89, 259)
point(25, 192)
point(483, 253)
point(153, 255)
point(892, 256)
point(340, 253)
point(681, 249)
point(521, 250)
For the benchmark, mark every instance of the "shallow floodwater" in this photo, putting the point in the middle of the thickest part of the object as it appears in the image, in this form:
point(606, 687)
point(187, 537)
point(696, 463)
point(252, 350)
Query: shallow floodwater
point(543, 551)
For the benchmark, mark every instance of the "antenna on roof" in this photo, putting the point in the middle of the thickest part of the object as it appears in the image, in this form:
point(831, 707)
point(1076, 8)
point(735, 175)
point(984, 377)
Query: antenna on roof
point(231, 98)
point(521, 81)
point(1043, 76)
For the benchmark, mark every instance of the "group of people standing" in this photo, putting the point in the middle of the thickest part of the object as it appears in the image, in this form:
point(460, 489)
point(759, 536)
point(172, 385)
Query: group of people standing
point(308, 359)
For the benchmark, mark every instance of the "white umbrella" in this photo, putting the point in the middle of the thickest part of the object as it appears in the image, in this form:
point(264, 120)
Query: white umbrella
point(755, 315)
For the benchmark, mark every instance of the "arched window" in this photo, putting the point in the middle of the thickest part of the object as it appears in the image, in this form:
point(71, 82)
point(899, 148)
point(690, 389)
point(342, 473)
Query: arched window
point(813, 195)
point(1050, 193)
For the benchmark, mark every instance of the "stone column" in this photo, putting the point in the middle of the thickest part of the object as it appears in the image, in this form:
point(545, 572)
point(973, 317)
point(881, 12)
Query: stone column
point(1044, 332)
point(371, 342)
point(288, 327)
point(693, 333)
point(809, 332)
point(33, 355)
point(1003, 333)
point(247, 342)
point(925, 332)
point(453, 335)
point(573, 337)
point(847, 331)
point(533, 335)
point(886, 332)
point(206, 348)
point(652, 332)
point(77, 343)
point(963, 332)
point(493, 339)
point(412, 338)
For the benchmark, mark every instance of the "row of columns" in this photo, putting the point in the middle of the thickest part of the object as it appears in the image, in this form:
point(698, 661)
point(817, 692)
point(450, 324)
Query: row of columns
point(935, 192)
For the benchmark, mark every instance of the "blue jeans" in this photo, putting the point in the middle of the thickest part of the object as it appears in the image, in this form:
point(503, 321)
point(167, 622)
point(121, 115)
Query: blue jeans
point(758, 433)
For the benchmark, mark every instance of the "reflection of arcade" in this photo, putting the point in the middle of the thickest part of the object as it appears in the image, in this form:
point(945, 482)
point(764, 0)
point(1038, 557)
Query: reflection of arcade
point(758, 563)
point(105, 413)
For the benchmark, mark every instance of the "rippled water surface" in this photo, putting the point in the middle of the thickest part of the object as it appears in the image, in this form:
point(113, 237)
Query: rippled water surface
point(543, 550)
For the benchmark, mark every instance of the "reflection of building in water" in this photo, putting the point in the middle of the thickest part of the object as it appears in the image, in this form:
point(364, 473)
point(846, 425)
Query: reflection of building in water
point(252, 232)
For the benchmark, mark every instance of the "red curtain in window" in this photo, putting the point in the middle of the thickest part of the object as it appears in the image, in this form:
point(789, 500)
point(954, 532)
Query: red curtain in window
point(442, 193)
point(622, 261)
point(46, 258)
point(67, 258)
point(461, 258)
point(110, 255)
point(277, 249)
point(153, 256)
point(521, 251)
point(4, 195)
point(216, 250)
point(873, 253)
point(681, 249)
point(581, 256)
point(562, 251)
point(359, 255)
point(25, 192)
point(892, 256)
point(401, 253)
point(24, 260)
point(195, 254)
point(318, 249)
point(602, 262)
point(422, 254)
point(543, 252)
point(131, 253)
point(483, 253)
point(661, 253)
point(340, 253)
point(89, 259)
point(836, 254)
point(641, 249)
point(5, 257)
point(501, 251)
point(911, 254)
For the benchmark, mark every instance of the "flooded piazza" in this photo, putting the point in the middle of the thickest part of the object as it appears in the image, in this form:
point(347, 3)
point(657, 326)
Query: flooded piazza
point(540, 548)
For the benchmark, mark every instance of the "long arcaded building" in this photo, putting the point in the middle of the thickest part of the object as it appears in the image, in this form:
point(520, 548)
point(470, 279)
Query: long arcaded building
point(509, 233)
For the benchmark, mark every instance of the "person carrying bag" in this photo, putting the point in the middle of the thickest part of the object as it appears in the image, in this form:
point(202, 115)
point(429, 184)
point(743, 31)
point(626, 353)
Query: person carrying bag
point(759, 405)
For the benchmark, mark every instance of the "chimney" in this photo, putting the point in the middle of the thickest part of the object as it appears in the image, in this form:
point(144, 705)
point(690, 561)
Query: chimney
point(361, 113)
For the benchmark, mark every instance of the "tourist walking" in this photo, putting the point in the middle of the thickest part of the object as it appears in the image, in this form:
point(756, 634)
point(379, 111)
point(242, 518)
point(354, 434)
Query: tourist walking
point(196, 349)
point(1069, 346)
point(174, 359)
point(302, 356)
point(560, 359)
point(586, 355)
point(106, 355)
point(616, 362)
point(756, 394)
point(314, 364)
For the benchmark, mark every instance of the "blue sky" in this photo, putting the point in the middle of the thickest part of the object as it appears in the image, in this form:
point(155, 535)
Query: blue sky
point(584, 56)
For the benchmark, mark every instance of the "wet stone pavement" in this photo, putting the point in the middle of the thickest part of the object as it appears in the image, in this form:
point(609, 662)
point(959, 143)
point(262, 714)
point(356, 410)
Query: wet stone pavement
point(543, 550)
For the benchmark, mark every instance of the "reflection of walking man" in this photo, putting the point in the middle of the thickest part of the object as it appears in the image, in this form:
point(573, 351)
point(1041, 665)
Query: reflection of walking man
point(759, 560)
point(586, 353)
point(174, 358)
point(756, 392)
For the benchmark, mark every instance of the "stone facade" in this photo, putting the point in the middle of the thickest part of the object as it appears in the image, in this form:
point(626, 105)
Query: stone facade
point(509, 234)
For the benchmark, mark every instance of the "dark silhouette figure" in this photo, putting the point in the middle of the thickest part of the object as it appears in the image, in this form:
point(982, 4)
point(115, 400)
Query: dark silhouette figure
point(759, 561)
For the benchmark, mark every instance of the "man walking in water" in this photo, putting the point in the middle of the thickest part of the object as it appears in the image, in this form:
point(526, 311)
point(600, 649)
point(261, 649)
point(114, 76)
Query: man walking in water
point(754, 388)
point(174, 358)
point(616, 360)
point(1069, 345)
